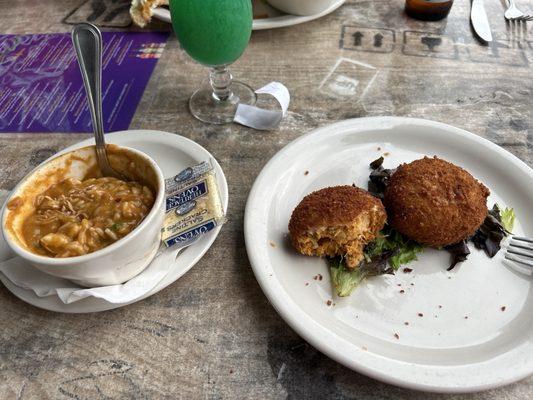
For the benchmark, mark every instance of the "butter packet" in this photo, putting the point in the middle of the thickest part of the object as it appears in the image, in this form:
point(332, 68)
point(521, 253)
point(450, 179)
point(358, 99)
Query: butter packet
point(193, 205)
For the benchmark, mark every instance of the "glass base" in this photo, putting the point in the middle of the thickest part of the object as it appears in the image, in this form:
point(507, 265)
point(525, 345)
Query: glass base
point(207, 108)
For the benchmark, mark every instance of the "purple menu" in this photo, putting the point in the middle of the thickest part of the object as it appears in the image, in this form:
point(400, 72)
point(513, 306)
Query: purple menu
point(41, 88)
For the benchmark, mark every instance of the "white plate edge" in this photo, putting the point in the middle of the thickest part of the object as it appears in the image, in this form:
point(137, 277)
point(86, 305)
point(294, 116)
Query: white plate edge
point(266, 23)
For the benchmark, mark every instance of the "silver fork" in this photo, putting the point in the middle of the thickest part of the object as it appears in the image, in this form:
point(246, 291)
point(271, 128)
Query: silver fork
point(520, 250)
point(514, 14)
point(517, 22)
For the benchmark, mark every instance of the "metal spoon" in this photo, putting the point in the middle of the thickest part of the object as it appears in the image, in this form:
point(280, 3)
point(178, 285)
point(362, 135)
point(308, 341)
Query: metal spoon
point(87, 41)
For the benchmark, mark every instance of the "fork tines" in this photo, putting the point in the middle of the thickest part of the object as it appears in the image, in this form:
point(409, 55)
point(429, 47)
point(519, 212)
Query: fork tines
point(520, 250)
point(522, 239)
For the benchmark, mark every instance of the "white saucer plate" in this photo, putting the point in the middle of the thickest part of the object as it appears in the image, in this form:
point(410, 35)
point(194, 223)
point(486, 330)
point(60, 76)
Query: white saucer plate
point(265, 17)
point(172, 153)
point(467, 330)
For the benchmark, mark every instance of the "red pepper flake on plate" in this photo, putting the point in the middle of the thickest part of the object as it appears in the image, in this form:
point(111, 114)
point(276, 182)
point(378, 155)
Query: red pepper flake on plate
point(328, 302)
point(503, 308)
point(402, 291)
point(420, 314)
point(397, 336)
point(407, 270)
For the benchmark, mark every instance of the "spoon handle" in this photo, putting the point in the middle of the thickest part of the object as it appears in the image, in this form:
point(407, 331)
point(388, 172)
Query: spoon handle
point(87, 41)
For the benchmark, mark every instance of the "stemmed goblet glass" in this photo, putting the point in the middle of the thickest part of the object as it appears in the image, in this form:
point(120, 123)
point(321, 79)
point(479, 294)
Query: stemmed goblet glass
point(215, 33)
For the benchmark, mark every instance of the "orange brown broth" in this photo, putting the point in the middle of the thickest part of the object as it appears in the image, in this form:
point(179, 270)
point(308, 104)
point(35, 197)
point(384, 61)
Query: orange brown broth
point(73, 217)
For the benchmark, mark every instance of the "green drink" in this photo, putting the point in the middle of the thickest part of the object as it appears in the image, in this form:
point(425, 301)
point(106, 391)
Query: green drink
point(213, 32)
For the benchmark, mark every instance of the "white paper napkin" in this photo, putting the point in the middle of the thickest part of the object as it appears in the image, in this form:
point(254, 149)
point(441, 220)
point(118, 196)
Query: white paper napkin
point(28, 277)
point(259, 118)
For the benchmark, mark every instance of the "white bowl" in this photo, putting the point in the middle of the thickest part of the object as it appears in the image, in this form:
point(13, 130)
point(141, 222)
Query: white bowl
point(113, 264)
point(301, 7)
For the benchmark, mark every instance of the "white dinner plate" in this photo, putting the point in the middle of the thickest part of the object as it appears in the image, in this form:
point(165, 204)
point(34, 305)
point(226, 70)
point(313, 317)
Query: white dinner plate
point(468, 329)
point(265, 16)
point(172, 153)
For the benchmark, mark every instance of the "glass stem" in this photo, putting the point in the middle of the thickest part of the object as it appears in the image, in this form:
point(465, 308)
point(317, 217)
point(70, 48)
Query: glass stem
point(220, 79)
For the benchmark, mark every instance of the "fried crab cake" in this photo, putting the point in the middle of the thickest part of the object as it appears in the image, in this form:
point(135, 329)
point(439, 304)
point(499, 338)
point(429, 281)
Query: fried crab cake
point(338, 220)
point(435, 202)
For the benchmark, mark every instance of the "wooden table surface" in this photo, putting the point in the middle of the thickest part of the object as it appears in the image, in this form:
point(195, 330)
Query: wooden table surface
point(212, 334)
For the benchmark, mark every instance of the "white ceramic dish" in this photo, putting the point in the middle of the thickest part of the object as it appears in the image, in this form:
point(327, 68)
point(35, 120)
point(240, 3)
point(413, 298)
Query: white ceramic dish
point(111, 265)
point(266, 17)
point(463, 341)
point(172, 153)
point(301, 7)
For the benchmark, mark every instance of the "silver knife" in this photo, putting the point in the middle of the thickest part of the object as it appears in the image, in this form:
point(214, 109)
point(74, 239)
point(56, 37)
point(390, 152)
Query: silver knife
point(478, 16)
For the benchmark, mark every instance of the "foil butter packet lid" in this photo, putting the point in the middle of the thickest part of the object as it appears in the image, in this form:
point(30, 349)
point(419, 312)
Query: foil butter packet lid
point(193, 205)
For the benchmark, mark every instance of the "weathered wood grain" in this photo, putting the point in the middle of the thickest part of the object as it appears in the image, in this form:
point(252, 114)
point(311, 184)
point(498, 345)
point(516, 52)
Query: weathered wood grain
point(213, 334)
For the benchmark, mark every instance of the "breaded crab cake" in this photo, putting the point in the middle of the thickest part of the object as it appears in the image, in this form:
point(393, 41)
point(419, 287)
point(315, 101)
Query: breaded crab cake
point(435, 202)
point(337, 220)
